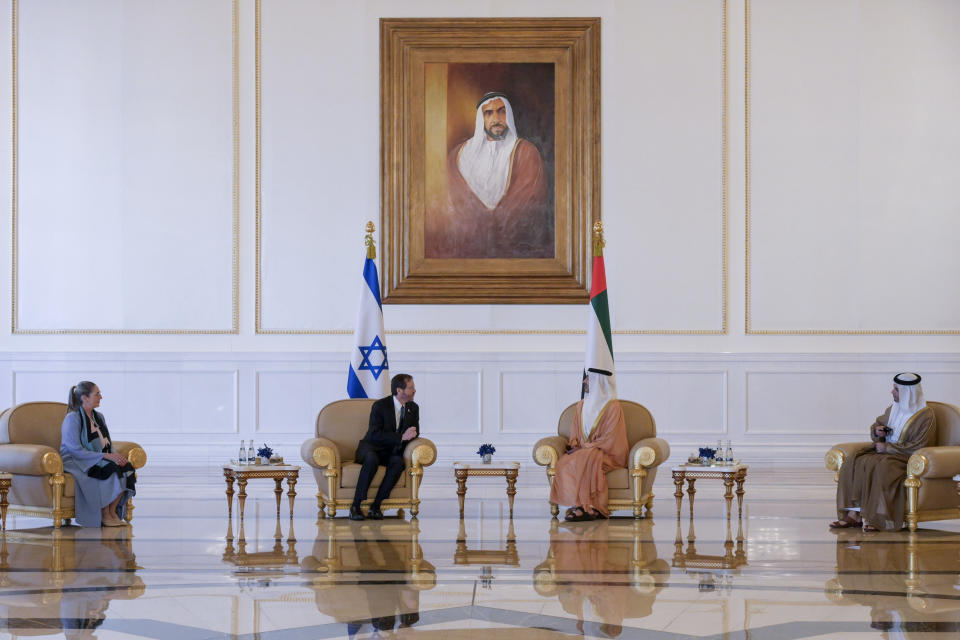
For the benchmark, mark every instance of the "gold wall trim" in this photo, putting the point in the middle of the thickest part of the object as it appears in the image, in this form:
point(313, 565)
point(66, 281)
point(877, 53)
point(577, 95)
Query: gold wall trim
point(725, 156)
point(235, 312)
point(748, 327)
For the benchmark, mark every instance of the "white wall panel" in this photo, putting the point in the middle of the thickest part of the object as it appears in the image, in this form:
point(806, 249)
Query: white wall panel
point(145, 402)
point(680, 401)
point(855, 154)
point(829, 402)
point(814, 402)
point(531, 401)
point(450, 401)
point(125, 165)
point(289, 401)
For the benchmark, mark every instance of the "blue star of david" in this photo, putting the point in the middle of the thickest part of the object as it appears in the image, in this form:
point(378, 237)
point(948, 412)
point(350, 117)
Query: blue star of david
point(366, 365)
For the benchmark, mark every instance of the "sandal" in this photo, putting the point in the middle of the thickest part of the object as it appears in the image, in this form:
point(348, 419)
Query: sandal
point(569, 513)
point(869, 529)
point(844, 524)
point(583, 516)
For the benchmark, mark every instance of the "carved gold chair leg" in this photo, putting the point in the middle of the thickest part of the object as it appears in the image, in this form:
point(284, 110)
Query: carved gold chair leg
point(331, 493)
point(415, 474)
point(912, 484)
point(639, 474)
point(129, 515)
point(57, 481)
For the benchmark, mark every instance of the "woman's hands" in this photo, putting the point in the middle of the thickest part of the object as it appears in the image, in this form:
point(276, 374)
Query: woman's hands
point(116, 458)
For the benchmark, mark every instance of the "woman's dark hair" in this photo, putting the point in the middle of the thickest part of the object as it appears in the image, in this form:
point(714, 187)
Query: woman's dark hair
point(75, 400)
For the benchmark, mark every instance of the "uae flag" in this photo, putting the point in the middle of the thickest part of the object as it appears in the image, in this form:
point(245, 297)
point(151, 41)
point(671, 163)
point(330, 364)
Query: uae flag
point(599, 336)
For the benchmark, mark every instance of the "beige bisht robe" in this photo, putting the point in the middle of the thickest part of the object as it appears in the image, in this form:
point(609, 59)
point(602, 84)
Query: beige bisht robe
point(581, 477)
point(874, 481)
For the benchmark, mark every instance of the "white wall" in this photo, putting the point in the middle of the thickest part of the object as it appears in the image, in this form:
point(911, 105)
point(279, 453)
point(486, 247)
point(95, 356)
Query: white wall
point(125, 219)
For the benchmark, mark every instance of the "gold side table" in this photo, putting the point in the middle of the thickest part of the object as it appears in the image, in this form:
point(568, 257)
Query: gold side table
point(244, 472)
point(5, 479)
point(508, 470)
point(733, 473)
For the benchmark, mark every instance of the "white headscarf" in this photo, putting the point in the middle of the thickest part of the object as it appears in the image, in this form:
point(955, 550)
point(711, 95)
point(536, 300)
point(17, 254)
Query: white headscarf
point(911, 400)
point(485, 164)
point(603, 389)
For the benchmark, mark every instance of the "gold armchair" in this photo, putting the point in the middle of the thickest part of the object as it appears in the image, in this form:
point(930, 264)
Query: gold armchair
point(631, 487)
point(931, 492)
point(340, 426)
point(30, 450)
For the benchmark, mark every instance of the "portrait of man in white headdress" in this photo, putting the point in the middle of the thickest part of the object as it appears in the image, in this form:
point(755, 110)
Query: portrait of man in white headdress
point(496, 200)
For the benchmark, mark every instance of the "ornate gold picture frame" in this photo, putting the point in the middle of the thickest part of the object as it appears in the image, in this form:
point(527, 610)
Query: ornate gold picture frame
point(490, 159)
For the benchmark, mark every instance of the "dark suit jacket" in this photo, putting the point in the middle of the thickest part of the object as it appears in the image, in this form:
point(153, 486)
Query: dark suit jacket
point(383, 435)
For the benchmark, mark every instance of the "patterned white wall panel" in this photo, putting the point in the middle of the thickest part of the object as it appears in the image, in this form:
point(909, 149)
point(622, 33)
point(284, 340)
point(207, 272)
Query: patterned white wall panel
point(680, 401)
point(289, 401)
point(146, 402)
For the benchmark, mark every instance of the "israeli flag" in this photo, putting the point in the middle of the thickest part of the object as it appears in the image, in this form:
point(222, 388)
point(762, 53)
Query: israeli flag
point(369, 375)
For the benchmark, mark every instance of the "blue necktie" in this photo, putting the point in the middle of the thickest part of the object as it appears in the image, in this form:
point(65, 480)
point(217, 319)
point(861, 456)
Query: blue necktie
point(402, 412)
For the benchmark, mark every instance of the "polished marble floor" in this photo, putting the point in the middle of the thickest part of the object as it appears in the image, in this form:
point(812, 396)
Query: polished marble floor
point(184, 571)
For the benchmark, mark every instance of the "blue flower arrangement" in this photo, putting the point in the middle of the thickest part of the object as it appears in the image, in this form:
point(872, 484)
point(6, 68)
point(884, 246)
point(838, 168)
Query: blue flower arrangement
point(265, 452)
point(486, 450)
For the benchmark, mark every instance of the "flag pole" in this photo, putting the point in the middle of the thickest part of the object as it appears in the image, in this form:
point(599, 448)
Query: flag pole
point(369, 242)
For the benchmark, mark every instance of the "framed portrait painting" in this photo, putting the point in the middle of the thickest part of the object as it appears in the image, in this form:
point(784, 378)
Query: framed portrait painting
point(490, 159)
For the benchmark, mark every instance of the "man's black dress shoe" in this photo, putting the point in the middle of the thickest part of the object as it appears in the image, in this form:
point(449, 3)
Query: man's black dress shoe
point(355, 513)
point(375, 514)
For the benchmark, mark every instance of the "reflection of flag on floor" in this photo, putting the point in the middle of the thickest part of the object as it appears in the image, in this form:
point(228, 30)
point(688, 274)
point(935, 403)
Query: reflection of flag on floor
point(599, 336)
point(369, 375)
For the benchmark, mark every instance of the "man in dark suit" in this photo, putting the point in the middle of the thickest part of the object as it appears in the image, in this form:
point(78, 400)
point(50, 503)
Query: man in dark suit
point(394, 421)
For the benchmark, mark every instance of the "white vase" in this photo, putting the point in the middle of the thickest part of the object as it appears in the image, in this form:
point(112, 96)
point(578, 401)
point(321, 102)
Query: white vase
point(487, 458)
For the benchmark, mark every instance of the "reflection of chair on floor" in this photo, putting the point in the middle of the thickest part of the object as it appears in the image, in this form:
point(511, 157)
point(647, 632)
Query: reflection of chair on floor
point(390, 559)
point(631, 487)
point(70, 578)
point(898, 578)
point(584, 565)
point(710, 570)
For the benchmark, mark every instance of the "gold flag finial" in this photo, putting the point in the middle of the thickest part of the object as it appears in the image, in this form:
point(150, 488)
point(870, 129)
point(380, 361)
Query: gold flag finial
point(598, 242)
point(368, 241)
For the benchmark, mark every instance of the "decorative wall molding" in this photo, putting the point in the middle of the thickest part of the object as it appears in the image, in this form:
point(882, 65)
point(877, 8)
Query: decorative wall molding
point(771, 405)
point(16, 326)
point(750, 329)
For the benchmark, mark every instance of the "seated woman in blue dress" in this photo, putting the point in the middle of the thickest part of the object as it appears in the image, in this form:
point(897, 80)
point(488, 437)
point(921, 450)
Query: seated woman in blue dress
point(104, 480)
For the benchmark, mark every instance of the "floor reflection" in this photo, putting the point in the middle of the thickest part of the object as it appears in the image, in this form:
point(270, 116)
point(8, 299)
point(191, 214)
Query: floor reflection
point(602, 572)
point(66, 580)
point(910, 582)
point(391, 572)
point(259, 567)
point(713, 572)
